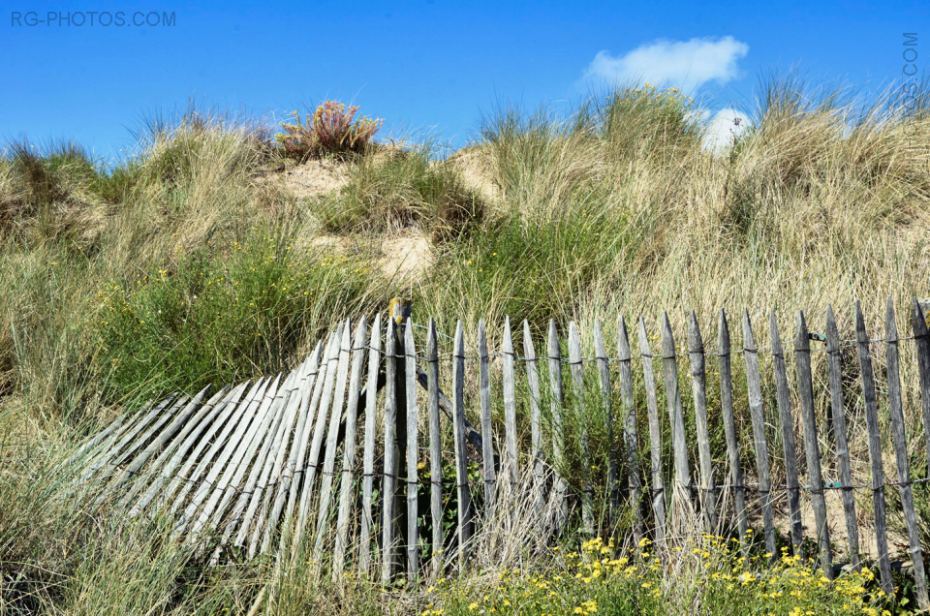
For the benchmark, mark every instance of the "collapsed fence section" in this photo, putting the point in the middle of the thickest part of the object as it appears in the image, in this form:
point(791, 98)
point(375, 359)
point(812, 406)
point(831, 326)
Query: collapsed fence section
point(392, 459)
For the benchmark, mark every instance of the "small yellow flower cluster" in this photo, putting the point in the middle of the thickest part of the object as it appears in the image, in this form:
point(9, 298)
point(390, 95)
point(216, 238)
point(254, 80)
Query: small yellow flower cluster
point(586, 607)
point(721, 570)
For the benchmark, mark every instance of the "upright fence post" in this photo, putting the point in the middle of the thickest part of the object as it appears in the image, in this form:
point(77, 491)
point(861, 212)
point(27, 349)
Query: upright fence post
point(922, 344)
point(757, 415)
point(603, 368)
point(510, 410)
point(630, 429)
point(489, 475)
point(789, 446)
point(875, 450)
point(461, 465)
point(682, 492)
point(655, 436)
point(390, 454)
point(413, 483)
point(576, 367)
point(532, 380)
point(556, 397)
point(838, 404)
point(729, 427)
point(802, 356)
point(708, 490)
point(435, 448)
point(899, 438)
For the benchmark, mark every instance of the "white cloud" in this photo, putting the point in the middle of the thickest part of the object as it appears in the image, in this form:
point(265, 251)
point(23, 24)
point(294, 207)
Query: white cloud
point(686, 65)
point(721, 130)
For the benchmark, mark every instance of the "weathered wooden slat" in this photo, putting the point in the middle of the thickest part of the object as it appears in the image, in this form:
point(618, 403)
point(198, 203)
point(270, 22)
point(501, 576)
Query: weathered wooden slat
point(166, 461)
point(630, 429)
point(332, 438)
point(256, 487)
point(133, 441)
point(708, 489)
point(102, 441)
point(249, 466)
point(391, 463)
point(236, 416)
point(347, 485)
point(554, 353)
point(802, 356)
point(682, 492)
point(205, 478)
point(838, 406)
point(272, 483)
point(508, 389)
point(368, 453)
point(603, 369)
point(875, 450)
point(461, 469)
point(899, 439)
point(729, 427)
point(922, 344)
point(306, 386)
point(655, 436)
point(789, 446)
point(126, 437)
point(413, 453)
point(320, 424)
point(236, 454)
point(576, 368)
point(488, 472)
point(760, 445)
point(246, 497)
point(158, 441)
point(536, 458)
point(309, 407)
point(155, 490)
point(435, 448)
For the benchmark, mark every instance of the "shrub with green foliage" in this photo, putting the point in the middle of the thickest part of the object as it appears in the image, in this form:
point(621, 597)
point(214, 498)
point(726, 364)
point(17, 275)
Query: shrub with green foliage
point(219, 317)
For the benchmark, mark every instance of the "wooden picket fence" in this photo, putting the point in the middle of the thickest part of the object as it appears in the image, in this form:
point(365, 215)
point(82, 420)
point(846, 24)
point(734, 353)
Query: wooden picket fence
point(318, 461)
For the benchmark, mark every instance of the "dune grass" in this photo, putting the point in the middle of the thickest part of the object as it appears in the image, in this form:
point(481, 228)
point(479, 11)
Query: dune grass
point(188, 264)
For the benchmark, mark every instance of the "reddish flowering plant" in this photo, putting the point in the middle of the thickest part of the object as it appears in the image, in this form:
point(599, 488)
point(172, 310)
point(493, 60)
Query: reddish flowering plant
point(334, 129)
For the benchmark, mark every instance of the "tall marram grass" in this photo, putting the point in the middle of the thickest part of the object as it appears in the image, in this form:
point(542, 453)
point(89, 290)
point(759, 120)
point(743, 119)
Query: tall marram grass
point(190, 263)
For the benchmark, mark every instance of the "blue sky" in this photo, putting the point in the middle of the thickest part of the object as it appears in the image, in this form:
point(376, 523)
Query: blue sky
point(430, 69)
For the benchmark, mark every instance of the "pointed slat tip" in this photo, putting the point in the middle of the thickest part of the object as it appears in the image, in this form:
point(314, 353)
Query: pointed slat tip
point(623, 341)
point(507, 339)
point(919, 318)
point(695, 341)
point(408, 332)
point(666, 323)
point(749, 340)
point(802, 337)
point(668, 339)
point(723, 333)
